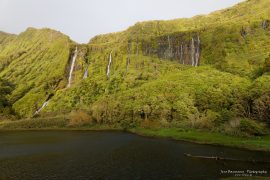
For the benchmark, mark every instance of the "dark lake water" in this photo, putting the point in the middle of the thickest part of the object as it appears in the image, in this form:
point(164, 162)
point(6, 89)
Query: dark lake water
point(115, 155)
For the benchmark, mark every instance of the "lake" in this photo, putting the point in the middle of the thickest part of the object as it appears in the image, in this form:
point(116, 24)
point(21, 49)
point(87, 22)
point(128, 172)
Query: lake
point(117, 155)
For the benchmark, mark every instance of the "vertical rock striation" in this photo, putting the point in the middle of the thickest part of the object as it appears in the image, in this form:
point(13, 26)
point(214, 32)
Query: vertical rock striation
point(265, 24)
point(183, 48)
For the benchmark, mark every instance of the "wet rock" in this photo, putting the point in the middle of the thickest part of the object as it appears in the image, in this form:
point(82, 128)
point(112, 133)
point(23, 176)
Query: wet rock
point(265, 24)
point(180, 48)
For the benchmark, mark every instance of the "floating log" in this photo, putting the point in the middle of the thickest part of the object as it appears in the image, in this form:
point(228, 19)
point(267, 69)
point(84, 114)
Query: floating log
point(224, 158)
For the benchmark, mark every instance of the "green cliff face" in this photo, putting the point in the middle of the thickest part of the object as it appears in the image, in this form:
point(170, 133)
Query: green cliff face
point(35, 61)
point(207, 71)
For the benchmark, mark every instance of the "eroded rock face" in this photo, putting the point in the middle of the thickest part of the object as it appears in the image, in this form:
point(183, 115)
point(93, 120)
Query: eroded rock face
point(265, 24)
point(186, 49)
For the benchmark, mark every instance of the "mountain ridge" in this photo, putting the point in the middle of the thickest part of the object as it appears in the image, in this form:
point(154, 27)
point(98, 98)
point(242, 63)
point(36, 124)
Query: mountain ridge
point(204, 72)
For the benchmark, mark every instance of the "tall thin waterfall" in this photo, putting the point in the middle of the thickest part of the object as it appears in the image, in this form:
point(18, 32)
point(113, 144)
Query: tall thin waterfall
point(192, 52)
point(72, 67)
point(169, 42)
point(181, 54)
point(137, 48)
point(109, 65)
point(170, 51)
point(42, 107)
point(85, 75)
point(197, 53)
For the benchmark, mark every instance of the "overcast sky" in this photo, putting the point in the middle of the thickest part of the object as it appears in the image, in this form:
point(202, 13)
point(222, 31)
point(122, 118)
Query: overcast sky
point(83, 19)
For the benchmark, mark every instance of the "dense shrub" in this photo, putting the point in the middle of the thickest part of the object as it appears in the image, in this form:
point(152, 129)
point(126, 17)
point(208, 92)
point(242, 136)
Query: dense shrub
point(80, 118)
point(260, 96)
point(251, 127)
point(225, 116)
point(261, 108)
point(176, 98)
point(5, 89)
point(56, 122)
point(267, 64)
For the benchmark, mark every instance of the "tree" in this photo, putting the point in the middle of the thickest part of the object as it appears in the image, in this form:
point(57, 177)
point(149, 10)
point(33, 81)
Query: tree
point(262, 107)
point(5, 89)
point(267, 64)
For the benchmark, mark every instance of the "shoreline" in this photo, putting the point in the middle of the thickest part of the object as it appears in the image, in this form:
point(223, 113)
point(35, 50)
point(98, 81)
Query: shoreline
point(192, 136)
point(197, 141)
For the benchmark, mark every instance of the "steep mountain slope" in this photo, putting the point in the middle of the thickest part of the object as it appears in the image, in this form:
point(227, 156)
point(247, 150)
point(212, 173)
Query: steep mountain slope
point(206, 72)
point(5, 38)
point(235, 39)
point(146, 73)
point(36, 63)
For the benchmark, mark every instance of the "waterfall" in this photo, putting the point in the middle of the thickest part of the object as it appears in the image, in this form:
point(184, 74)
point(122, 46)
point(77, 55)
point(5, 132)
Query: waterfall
point(42, 107)
point(129, 52)
point(265, 24)
point(197, 53)
point(109, 65)
point(181, 54)
point(72, 67)
point(170, 52)
point(169, 42)
point(178, 53)
point(127, 63)
point(192, 52)
point(85, 75)
point(137, 48)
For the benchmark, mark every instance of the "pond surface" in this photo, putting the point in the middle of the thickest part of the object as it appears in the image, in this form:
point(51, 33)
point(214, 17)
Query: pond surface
point(116, 155)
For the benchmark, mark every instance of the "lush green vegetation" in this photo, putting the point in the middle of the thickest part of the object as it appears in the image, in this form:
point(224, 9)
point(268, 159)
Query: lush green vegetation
point(188, 134)
point(40, 123)
point(5, 106)
point(259, 143)
point(35, 62)
point(149, 85)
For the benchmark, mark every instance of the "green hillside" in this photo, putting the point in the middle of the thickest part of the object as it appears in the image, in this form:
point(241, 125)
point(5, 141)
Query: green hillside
point(238, 35)
point(35, 62)
point(208, 72)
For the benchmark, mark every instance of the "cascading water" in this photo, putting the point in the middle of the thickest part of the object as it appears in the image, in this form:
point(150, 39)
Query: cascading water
point(137, 48)
point(72, 67)
point(109, 65)
point(192, 52)
point(170, 50)
point(85, 73)
point(183, 48)
point(169, 42)
point(42, 107)
point(44, 104)
point(181, 54)
point(197, 53)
